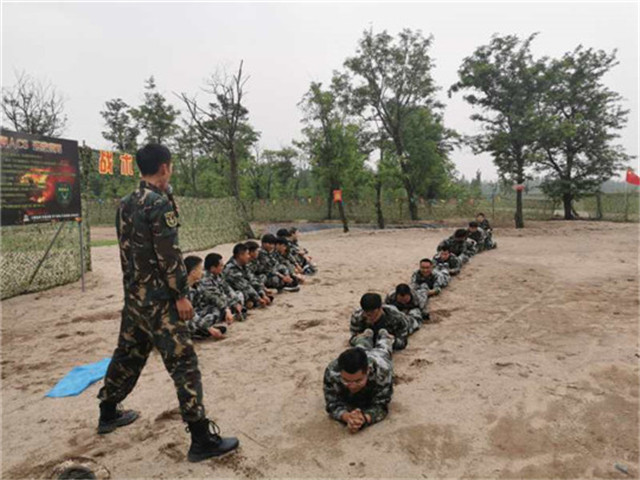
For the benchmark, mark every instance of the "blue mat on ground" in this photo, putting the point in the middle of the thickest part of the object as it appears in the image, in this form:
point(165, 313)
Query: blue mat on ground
point(79, 378)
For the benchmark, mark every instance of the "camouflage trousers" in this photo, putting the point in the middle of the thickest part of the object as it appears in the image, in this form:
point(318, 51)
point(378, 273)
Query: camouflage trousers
point(381, 351)
point(415, 320)
point(159, 326)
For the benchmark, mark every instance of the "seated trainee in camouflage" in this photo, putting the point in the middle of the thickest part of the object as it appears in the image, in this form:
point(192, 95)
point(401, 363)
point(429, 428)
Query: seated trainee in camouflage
point(478, 235)
point(239, 278)
point(445, 260)
point(483, 223)
point(219, 291)
point(206, 316)
point(373, 315)
point(282, 256)
point(405, 299)
point(358, 385)
point(256, 281)
point(269, 271)
point(460, 245)
point(426, 281)
point(308, 267)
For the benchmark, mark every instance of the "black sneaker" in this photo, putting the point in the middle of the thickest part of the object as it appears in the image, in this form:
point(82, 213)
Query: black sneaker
point(121, 418)
point(206, 441)
point(292, 289)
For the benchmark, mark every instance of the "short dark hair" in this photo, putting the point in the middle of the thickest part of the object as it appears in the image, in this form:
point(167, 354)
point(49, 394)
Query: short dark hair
point(283, 232)
point(480, 213)
point(428, 260)
point(282, 241)
point(293, 230)
point(269, 238)
point(403, 289)
point(252, 246)
point(460, 233)
point(353, 360)
point(151, 156)
point(192, 262)
point(239, 248)
point(212, 260)
point(370, 301)
point(445, 248)
point(473, 224)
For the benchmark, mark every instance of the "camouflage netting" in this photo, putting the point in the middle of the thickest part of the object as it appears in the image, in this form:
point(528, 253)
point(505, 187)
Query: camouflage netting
point(204, 222)
point(23, 247)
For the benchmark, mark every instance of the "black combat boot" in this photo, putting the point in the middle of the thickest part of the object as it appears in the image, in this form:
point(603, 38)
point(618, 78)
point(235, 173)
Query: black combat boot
point(112, 417)
point(206, 441)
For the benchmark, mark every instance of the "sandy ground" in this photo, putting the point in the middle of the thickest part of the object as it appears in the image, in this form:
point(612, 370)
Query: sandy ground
point(530, 369)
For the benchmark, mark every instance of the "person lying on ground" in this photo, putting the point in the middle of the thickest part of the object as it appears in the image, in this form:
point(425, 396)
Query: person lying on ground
point(426, 281)
point(238, 277)
point(484, 224)
point(373, 315)
point(206, 316)
point(358, 385)
point(219, 291)
point(478, 235)
point(445, 260)
point(461, 246)
point(405, 299)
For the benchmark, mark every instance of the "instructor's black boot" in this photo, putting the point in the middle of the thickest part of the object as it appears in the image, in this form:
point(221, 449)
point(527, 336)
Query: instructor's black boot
point(112, 417)
point(206, 441)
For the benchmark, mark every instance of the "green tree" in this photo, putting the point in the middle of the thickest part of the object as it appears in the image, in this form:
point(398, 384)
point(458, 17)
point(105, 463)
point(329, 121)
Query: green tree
point(580, 117)
point(121, 131)
point(224, 123)
point(506, 85)
point(332, 145)
point(156, 117)
point(386, 81)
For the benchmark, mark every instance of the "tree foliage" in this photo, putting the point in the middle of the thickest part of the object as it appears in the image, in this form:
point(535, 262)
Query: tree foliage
point(156, 117)
point(121, 130)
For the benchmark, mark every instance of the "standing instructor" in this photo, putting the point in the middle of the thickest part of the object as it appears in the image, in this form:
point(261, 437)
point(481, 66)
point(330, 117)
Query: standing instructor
point(156, 308)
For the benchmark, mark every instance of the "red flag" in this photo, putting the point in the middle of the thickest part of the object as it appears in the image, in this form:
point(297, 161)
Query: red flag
point(632, 178)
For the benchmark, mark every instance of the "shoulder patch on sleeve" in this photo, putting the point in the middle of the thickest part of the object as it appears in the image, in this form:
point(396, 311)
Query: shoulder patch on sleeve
point(171, 219)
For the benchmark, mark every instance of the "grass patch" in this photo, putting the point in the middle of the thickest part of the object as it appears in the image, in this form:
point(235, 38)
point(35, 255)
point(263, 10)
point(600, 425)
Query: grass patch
point(104, 243)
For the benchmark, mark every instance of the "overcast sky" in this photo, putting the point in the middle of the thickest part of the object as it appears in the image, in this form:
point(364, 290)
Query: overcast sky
point(96, 52)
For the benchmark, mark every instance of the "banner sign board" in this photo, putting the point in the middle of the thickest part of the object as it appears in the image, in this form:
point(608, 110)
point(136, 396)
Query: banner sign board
point(40, 179)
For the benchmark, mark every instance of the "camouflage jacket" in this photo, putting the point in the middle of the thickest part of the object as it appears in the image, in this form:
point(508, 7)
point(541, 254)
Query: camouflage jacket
point(218, 292)
point(205, 314)
point(287, 267)
point(453, 263)
point(467, 247)
point(147, 228)
point(478, 236)
point(392, 319)
point(267, 264)
point(373, 399)
point(242, 280)
point(415, 302)
point(484, 224)
point(436, 281)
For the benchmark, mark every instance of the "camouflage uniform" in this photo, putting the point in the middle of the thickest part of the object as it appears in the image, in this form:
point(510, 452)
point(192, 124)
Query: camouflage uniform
point(299, 253)
point(451, 265)
point(285, 263)
point(374, 398)
point(488, 242)
point(464, 250)
point(154, 277)
point(242, 280)
point(416, 309)
point(480, 237)
point(392, 320)
point(436, 281)
point(218, 291)
point(266, 269)
point(206, 314)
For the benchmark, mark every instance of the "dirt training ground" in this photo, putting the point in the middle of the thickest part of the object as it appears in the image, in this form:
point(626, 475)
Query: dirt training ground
point(530, 368)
